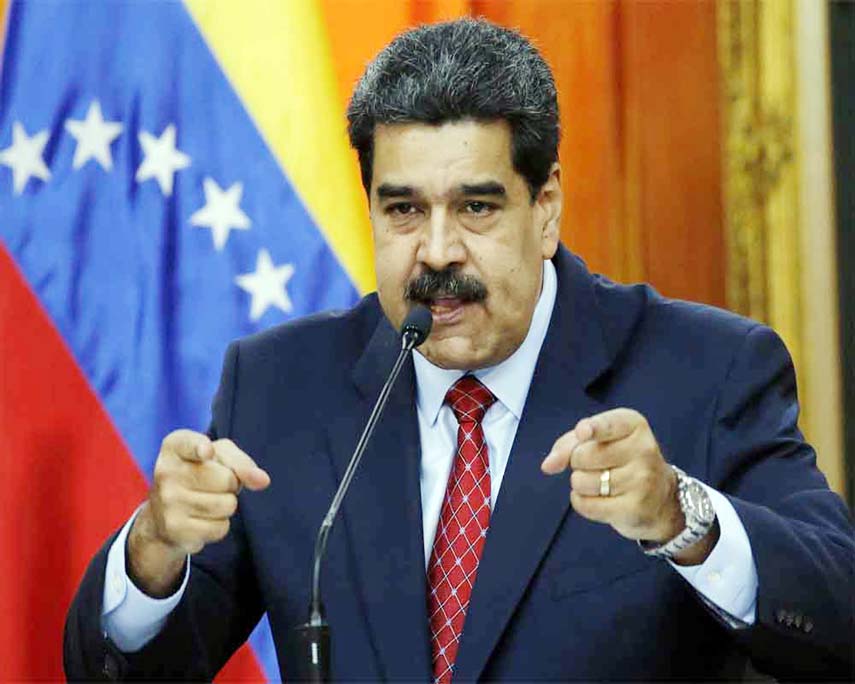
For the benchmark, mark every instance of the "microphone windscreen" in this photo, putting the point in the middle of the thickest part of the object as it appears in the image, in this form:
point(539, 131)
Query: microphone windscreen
point(418, 322)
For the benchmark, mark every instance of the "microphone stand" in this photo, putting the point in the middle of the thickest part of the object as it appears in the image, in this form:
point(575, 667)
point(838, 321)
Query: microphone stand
point(311, 640)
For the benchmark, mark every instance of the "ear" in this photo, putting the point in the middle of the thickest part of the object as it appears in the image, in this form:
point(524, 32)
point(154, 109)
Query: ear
point(550, 201)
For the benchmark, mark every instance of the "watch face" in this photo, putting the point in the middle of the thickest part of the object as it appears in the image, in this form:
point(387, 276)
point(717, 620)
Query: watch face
point(698, 503)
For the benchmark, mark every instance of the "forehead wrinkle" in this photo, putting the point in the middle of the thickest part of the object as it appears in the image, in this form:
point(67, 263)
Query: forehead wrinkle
point(438, 162)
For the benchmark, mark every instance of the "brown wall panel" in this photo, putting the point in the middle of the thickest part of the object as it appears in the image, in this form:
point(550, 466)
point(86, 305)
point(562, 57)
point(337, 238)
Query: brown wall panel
point(577, 41)
point(673, 145)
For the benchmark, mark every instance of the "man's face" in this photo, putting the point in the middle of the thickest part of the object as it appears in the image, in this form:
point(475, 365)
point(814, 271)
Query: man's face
point(455, 228)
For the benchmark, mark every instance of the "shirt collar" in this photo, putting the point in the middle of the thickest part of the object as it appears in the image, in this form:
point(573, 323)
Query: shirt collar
point(509, 380)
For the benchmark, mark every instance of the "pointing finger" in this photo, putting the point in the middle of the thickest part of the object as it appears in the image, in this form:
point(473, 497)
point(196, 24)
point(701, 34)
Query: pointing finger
point(608, 426)
point(244, 468)
point(210, 476)
point(558, 458)
point(597, 456)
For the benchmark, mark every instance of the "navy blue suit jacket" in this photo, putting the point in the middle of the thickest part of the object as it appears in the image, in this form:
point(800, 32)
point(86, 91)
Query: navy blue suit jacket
point(557, 597)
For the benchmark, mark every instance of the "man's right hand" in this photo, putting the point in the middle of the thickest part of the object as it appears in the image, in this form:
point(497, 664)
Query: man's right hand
point(194, 494)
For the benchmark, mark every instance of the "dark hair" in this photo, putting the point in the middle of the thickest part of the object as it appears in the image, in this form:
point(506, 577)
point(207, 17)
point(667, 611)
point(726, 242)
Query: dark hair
point(464, 69)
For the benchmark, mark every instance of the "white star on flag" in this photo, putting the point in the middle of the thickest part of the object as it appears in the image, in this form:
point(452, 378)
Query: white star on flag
point(93, 136)
point(267, 285)
point(222, 212)
point(162, 160)
point(24, 157)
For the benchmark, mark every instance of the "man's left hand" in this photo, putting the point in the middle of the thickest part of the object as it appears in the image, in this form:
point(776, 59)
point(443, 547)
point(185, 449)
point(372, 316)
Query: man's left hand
point(642, 501)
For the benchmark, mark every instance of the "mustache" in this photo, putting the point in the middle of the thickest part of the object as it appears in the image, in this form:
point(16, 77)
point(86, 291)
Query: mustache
point(448, 282)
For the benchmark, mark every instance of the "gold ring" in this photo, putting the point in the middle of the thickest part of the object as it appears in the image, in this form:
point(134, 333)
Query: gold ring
point(605, 482)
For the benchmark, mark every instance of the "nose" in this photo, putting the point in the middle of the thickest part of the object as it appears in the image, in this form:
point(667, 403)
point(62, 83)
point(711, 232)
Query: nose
point(441, 245)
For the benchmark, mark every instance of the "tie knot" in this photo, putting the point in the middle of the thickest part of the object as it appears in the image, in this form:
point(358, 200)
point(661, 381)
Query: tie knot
point(469, 399)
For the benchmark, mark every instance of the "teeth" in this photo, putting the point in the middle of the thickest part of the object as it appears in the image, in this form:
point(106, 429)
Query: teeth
point(444, 307)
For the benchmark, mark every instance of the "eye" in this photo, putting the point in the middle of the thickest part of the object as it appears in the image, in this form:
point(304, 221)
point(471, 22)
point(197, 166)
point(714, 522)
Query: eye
point(401, 209)
point(478, 208)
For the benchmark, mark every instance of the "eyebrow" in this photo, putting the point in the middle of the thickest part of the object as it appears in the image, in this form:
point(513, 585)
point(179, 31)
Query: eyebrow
point(486, 188)
point(389, 191)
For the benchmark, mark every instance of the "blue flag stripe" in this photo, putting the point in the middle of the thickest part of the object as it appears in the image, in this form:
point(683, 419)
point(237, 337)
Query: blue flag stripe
point(129, 268)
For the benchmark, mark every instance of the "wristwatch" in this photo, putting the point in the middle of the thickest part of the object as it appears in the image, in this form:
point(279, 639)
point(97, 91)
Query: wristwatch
point(698, 511)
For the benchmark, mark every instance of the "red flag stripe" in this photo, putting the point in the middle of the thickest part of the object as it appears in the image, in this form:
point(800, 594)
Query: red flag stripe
point(66, 483)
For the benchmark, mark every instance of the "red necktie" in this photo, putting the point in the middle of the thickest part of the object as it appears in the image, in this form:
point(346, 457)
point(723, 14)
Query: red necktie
point(462, 528)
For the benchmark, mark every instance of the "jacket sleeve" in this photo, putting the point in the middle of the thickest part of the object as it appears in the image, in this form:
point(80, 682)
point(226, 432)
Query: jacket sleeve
point(215, 616)
point(800, 531)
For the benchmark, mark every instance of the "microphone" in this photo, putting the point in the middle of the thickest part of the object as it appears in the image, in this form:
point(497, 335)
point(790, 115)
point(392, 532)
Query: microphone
point(416, 326)
point(311, 640)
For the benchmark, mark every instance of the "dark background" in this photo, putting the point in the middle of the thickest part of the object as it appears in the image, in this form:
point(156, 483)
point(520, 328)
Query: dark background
point(842, 35)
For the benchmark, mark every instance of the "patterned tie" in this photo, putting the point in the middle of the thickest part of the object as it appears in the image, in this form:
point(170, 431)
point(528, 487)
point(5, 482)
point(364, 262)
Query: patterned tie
point(462, 528)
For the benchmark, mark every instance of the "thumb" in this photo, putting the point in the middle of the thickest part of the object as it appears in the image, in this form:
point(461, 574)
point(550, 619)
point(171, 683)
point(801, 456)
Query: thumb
point(188, 445)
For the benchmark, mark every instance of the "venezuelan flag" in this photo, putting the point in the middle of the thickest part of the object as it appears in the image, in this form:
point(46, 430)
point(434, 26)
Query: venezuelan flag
point(172, 176)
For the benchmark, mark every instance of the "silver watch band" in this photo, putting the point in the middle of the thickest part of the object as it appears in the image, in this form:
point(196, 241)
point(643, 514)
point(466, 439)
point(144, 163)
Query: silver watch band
point(673, 546)
point(695, 530)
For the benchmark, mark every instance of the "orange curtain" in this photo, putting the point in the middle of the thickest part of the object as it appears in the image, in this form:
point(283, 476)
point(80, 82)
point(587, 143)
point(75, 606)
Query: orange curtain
point(4, 7)
point(639, 93)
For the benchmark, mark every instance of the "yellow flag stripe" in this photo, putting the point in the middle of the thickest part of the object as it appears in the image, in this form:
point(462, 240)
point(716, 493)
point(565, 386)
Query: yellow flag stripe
point(277, 58)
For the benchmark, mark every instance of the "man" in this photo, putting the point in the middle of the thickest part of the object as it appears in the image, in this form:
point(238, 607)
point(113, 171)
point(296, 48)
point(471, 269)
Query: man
point(515, 516)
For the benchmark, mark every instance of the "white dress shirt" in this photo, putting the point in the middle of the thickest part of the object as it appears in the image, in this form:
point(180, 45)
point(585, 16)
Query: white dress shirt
point(726, 580)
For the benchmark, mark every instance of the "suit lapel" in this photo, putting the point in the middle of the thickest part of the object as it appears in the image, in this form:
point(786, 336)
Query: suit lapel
point(531, 506)
point(382, 511)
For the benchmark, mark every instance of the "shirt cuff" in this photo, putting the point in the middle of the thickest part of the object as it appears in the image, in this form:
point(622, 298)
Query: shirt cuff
point(129, 617)
point(727, 579)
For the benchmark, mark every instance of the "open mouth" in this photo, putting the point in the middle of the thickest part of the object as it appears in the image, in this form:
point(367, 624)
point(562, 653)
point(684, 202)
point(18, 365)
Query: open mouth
point(447, 310)
point(447, 293)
